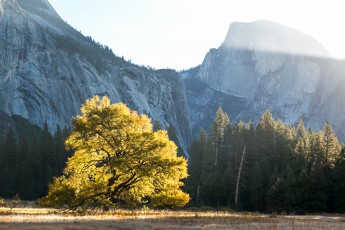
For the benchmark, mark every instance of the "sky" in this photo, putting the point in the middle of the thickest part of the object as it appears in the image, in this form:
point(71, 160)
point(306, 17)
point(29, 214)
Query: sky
point(178, 33)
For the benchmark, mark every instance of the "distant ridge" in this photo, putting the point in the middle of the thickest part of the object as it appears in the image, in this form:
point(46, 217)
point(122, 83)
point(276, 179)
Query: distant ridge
point(268, 36)
point(263, 65)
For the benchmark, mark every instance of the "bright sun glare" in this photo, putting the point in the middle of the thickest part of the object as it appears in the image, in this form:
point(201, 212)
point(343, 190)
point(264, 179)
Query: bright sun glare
point(178, 34)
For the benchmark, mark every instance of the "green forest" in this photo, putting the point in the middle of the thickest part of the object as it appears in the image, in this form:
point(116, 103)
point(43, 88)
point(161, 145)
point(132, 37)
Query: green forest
point(29, 159)
point(284, 168)
point(278, 167)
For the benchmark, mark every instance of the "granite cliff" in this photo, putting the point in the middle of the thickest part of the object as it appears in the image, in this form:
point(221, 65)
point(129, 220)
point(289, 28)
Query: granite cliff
point(48, 69)
point(264, 65)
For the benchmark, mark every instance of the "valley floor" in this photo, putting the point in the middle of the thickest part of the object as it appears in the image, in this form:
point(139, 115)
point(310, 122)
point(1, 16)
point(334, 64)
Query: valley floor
point(50, 219)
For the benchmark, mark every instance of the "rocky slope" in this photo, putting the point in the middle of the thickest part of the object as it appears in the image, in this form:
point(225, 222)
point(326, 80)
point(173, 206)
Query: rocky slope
point(270, 66)
point(48, 70)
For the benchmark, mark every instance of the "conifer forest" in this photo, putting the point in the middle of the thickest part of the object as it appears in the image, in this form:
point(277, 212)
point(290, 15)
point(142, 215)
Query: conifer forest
point(270, 167)
point(273, 167)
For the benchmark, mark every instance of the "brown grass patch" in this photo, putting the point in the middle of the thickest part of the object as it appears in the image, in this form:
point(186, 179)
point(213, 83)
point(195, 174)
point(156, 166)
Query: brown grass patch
point(36, 218)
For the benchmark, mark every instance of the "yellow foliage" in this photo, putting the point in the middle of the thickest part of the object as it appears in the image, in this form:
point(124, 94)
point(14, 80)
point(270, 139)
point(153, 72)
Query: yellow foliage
point(118, 158)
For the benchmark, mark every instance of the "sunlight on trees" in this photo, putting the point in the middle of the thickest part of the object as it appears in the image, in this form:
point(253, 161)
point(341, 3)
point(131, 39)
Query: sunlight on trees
point(118, 159)
point(285, 168)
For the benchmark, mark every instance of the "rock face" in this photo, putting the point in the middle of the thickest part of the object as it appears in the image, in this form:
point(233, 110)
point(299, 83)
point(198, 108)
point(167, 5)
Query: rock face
point(204, 101)
point(270, 66)
point(48, 69)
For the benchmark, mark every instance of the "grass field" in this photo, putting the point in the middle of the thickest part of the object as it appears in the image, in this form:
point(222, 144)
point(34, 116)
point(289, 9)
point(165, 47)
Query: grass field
point(36, 218)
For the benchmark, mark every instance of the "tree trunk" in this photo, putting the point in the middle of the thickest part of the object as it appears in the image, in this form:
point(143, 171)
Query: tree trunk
point(239, 176)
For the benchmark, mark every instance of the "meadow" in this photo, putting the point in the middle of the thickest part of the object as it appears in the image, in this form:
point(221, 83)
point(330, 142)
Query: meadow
point(30, 217)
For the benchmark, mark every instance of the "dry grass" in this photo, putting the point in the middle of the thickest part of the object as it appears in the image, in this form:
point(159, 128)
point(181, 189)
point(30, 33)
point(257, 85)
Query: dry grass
point(34, 218)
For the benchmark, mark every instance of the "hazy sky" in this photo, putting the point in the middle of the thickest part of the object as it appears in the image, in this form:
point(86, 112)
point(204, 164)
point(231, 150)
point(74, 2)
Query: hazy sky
point(178, 33)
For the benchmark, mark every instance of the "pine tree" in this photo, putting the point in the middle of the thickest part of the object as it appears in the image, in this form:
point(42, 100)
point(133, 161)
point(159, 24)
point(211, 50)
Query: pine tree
point(237, 144)
point(60, 152)
point(250, 158)
point(258, 187)
point(290, 191)
point(302, 151)
point(213, 191)
point(318, 149)
point(1, 163)
point(23, 172)
point(311, 166)
point(1, 150)
point(276, 195)
point(8, 162)
point(49, 159)
point(196, 153)
point(318, 188)
point(303, 192)
point(9, 154)
point(26, 189)
point(300, 130)
point(266, 138)
point(229, 185)
point(227, 146)
point(37, 167)
point(332, 146)
point(339, 183)
point(250, 140)
point(172, 136)
point(220, 122)
point(8, 186)
point(23, 149)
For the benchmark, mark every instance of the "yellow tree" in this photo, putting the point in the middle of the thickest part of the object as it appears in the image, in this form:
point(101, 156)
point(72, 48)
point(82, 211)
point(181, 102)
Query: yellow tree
point(118, 159)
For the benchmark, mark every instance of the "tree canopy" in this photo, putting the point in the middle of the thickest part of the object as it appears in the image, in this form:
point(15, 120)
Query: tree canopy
point(284, 168)
point(118, 159)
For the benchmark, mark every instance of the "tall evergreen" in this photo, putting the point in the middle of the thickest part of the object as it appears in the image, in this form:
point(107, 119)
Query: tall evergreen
point(172, 136)
point(237, 145)
point(318, 150)
point(2, 156)
point(219, 125)
point(291, 189)
point(258, 188)
point(276, 192)
point(8, 164)
point(60, 152)
point(9, 153)
point(302, 151)
point(332, 146)
point(29, 158)
point(318, 189)
point(1, 163)
point(303, 192)
point(338, 191)
point(24, 176)
point(8, 182)
point(266, 138)
point(229, 186)
point(286, 168)
point(196, 153)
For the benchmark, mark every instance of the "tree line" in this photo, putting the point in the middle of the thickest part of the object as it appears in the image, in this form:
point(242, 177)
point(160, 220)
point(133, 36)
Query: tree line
point(29, 159)
point(94, 52)
point(274, 167)
point(277, 167)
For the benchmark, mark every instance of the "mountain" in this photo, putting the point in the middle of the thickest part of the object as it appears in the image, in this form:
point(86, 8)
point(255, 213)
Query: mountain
point(270, 37)
point(264, 65)
point(48, 69)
